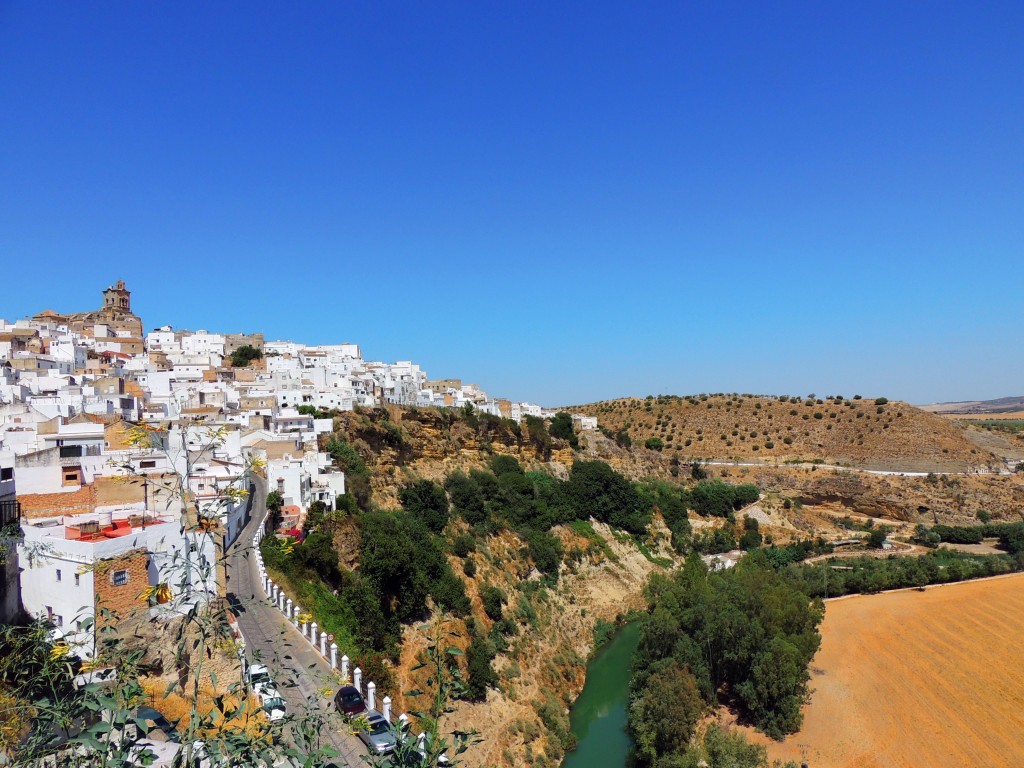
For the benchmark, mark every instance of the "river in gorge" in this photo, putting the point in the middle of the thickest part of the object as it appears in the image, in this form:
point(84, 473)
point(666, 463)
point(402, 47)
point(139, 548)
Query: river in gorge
point(599, 714)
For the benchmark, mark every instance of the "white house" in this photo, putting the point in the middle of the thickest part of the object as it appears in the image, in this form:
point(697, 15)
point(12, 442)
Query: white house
point(203, 343)
point(71, 565)
point(584, 422)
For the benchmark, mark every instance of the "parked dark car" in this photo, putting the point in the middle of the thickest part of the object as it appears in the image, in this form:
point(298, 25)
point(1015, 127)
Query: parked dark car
point(349, 701)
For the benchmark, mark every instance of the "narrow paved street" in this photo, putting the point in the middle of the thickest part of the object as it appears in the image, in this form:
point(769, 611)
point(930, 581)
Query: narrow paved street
point(302, 675)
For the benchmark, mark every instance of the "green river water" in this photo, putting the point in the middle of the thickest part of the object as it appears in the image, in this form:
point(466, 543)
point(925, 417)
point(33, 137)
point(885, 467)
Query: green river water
point(599, 714)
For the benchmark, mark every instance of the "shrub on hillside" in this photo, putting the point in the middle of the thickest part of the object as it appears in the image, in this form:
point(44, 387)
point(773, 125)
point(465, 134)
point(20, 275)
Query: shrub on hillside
point(721, 499)
point(480, 673)
point(492, 597)
point(427, 501)
point(596, 490)
point(467, 498)
point(562, 428)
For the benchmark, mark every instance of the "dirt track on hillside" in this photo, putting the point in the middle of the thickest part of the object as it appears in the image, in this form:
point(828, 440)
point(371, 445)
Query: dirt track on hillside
point(910, 679)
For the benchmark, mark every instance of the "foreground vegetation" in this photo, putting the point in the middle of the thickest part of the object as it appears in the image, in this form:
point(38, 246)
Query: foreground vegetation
point(744, 637)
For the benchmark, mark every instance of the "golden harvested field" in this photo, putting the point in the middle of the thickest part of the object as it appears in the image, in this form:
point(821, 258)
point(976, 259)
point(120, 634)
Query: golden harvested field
point(1011, 415)
point(918, 680)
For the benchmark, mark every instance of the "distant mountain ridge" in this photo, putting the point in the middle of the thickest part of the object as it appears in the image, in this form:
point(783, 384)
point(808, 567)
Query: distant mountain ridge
point(998, 405)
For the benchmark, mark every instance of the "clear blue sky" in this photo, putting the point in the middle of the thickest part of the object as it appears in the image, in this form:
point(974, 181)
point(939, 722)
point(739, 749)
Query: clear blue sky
point(559, 202)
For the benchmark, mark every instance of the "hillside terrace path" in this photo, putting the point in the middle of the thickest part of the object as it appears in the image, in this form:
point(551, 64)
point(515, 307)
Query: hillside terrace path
point(299, 671)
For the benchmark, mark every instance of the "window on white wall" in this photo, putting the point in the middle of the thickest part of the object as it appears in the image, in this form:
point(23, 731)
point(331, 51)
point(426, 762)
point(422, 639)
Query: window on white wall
point(120, 578)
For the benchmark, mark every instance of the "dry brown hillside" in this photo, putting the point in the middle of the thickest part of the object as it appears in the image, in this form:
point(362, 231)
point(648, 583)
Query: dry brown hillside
point(856, 432)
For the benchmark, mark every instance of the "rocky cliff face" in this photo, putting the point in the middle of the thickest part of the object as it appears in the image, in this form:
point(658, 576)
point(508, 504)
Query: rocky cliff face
point(403, 444)
point(525, 720)
point(542, 667)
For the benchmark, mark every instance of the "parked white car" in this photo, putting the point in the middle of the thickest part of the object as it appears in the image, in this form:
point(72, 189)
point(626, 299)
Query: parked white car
point(258, 678)
point(271, 703)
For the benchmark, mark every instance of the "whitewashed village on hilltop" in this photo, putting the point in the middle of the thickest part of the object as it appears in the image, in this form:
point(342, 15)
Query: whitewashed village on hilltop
point(99, 515)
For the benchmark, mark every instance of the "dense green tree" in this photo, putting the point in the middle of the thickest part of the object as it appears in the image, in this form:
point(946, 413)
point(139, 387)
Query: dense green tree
point(1011, 538)
point(427, 501)
point(654, 443)
point(596, 490)
point(665, 713)
point(749, 628)
point(448, 591)
point(275, 503)
point(480, 672)
point(551, 503)
point(487, 484)
point(713, 541)
point(467, 498)
point(672, 502)
point(751, 537)
point(729, 749)
point(244, 355)
point(345, 503)
point(493, 598)
point(315, 516)
point(502, 464)
point(470, 416)
point(775, 687)
point(318, 554)
point(719, 499)
point(393, 563)
point(371, 627)
point(562, 428)
point(357, 475)
point(537, 432)
point(517, 499)
point(463, 545)
point(546, 551)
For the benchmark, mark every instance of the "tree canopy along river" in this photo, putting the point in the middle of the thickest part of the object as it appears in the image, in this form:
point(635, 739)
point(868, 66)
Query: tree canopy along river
point(599, 714)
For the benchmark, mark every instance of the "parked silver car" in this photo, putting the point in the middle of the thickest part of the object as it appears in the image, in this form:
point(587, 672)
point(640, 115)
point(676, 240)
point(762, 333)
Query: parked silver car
point(377, 734)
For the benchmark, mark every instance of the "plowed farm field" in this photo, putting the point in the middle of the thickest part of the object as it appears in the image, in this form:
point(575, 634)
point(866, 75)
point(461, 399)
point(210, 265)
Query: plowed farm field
point(917, 680)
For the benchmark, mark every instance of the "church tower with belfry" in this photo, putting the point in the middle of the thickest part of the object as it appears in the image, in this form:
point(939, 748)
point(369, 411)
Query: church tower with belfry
point(115, 314)
point(117, 298)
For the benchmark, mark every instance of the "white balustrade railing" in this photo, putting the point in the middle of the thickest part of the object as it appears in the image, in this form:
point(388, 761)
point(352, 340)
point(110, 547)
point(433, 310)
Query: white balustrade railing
point(318, 638)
